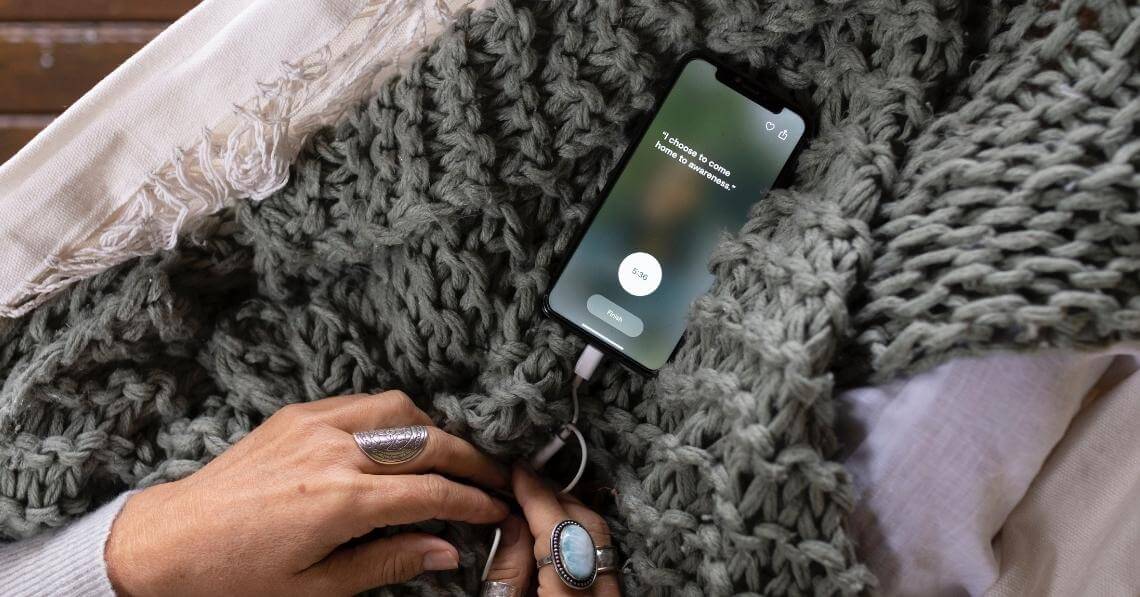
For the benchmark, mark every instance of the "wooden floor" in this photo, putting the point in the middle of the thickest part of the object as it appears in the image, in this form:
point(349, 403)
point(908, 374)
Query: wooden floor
point(53, 51)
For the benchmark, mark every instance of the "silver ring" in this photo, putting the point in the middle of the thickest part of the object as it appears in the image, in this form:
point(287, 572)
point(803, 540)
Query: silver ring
point(607, 559)
point(498, 588)
point(393, 445)
point(575, 556)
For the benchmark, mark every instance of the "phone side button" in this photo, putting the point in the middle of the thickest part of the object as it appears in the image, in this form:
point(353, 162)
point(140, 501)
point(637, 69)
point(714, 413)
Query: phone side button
point(618, 318)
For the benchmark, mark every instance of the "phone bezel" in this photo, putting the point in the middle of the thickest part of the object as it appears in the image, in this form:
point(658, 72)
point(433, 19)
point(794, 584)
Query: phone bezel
point(735, 80)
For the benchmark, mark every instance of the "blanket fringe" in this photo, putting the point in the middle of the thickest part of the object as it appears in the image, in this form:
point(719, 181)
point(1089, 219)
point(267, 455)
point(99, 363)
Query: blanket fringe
point(248, 154)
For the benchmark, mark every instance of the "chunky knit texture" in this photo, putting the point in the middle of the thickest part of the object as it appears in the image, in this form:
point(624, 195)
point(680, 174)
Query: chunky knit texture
point(964, 192)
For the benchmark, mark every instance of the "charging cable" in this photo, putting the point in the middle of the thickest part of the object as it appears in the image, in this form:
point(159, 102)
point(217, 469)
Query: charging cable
point(583, 370)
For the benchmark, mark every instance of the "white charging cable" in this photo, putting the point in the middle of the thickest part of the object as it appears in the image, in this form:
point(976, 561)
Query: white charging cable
point(491, 554)
point(583, 370)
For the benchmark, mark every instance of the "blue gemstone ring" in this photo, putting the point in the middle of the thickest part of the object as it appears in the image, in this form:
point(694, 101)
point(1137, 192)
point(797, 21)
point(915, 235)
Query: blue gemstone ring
point(575, 556)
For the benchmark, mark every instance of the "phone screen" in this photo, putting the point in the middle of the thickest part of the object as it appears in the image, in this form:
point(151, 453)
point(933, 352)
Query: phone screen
point(709, 154)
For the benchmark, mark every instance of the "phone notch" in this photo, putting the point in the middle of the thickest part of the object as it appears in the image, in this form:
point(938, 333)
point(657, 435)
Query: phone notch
point(751, 89)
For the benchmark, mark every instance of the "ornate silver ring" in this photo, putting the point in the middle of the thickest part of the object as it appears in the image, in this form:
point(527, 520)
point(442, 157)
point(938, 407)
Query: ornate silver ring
point(393, 445)
point(575, 557)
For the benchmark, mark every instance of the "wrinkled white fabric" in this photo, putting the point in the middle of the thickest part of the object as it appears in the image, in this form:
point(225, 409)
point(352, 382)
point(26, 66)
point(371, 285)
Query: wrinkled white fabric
point(941, 459)
point(1077, 532)
point(215, 108)
point(63, 185)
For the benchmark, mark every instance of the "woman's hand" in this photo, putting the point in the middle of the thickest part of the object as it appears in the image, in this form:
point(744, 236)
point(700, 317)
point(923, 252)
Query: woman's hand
point(269, 516)
point(519, 549)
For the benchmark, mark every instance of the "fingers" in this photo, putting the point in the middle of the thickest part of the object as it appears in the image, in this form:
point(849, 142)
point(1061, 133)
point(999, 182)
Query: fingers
point(514, 562)
point(383, 562)
point(361, 412)
point(445, 454)
point(544, 509)
point(540, 506)
point(387, 500)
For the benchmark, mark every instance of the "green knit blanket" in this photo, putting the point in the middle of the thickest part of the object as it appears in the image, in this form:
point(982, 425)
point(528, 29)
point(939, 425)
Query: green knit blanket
point(973, 186)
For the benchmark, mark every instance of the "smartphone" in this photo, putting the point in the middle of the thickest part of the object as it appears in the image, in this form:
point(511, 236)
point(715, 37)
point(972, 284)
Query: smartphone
point(714, 146)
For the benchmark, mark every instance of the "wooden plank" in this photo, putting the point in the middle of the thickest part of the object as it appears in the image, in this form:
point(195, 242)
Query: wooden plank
point(94, 10)
point(45, 68)
point(16, 131)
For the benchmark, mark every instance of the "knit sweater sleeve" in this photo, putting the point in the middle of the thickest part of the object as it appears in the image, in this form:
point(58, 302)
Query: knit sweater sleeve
point(68, 561)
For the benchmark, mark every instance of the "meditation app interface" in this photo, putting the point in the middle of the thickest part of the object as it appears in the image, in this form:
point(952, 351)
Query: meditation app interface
point(709, 155)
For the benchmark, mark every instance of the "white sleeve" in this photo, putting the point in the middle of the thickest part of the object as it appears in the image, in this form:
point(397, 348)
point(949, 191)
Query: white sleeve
point(68, 561)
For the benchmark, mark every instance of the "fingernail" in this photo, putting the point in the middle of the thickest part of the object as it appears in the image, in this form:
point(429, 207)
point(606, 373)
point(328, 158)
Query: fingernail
point(440, 560)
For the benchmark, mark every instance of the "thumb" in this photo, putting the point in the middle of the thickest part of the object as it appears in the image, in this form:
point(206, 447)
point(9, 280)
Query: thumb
point(386, 561)
point(514, 561)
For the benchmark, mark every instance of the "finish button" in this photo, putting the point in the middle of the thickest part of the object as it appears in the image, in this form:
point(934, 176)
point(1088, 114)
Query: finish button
point(605, 309)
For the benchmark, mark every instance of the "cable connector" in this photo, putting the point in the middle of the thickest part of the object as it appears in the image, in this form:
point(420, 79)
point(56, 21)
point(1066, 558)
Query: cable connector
point(551, 448)
point(587, 362)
